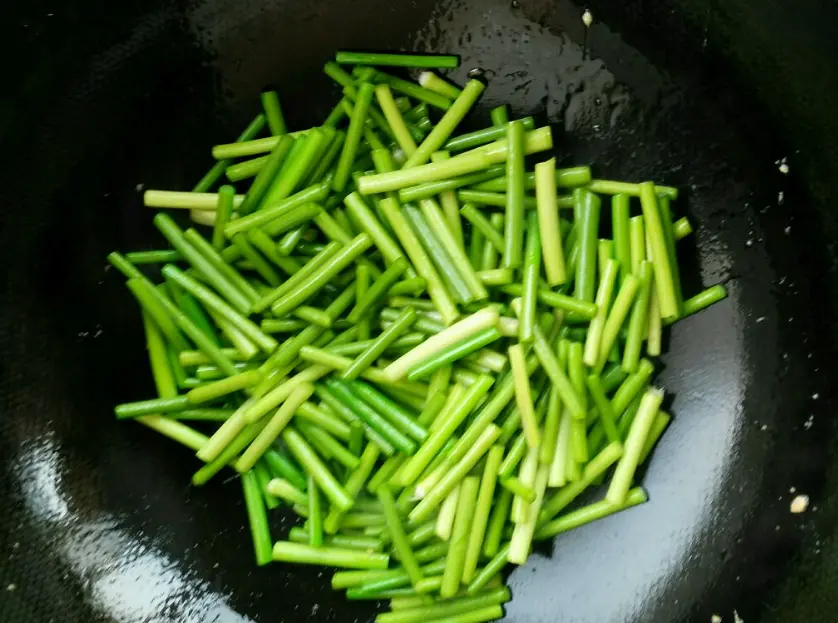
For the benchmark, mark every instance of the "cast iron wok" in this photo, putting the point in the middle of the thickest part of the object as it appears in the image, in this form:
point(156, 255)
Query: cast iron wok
point(100, 99)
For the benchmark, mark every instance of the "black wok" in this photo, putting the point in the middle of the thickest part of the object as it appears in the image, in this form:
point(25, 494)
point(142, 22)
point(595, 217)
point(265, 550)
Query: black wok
point(98, 520)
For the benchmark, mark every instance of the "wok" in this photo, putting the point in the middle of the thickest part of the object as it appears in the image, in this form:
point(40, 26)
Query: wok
point(102, 99)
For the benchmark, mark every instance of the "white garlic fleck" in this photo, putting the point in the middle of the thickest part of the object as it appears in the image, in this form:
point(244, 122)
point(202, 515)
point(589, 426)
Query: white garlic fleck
point(799, 504)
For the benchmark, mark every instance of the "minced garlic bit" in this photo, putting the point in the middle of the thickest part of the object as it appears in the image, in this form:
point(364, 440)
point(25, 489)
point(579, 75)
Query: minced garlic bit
point(799, 504)
point(587, 18)
point(782, 165)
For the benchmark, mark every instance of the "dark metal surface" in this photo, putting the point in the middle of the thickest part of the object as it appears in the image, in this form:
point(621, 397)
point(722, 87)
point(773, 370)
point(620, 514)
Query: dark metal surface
point(99, 522)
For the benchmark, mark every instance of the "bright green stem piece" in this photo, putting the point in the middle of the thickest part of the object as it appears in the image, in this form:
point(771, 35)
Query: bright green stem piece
point(637, 242)
point(499, 115)
point(330, 269)
point(661, 261)
point(223, 213)
point(589, 514)
point(273, 113)
point(603, 406)
point(274, 427)
point(635, 443)
point(446, 126)
point(452, 478)
point(610, 187)
point(443, 428)
point(548, 221)
point(432, 81)
point(266, 176)
point(447, 610)
point(415, 91)
point(371, 417)
point(482, 510)
point(704, 299)
point(603, 301)
point(175, 200)
point(397, 124)
point(468, 162)
point(245, 169)
point(217, 304)
point(587, 209)
point(682, 228)
point(458, 544)
point(532, 268)
point(621, 233)
point(257, 517)
point(638, 320)
point(278, 213)
point(617, 317)
point(353, 135)
point(431, 189)
point(453, 353)
point(215, 173)
point(358, 209)
point(473, 214)
point(397, 415)
point(378, 290)
point(212, 391)
point(286, 551)
point(163, 256)
point(397, 534)
point(564, 496)
point(438, 224)
point(514, 218)
point(484, 136)
point(419, 259)
point(366, 359)
point(210, 272)
point(430, 61)
point(148, 407)
point(316, 468)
